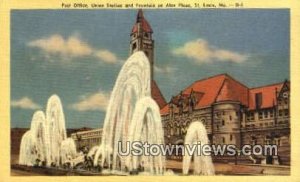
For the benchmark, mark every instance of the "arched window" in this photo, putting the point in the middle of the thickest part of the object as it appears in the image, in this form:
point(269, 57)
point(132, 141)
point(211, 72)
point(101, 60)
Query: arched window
point(133, 46)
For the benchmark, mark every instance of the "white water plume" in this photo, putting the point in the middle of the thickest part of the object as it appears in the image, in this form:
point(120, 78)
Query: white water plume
point(46, 141)
point(202, 164)
point(132, 90)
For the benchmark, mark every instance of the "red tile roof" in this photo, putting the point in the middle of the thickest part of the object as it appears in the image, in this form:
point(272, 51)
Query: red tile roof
point(157, 95)
point(233, 90)
point(268, 95)
point(210, 87)
point(144, 23)
point(225, 88)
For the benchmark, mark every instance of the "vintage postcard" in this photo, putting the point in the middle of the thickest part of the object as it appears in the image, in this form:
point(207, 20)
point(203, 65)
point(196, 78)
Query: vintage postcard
point(203, 90)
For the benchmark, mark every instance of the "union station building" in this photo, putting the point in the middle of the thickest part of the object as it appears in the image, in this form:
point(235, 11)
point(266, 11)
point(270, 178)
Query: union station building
point(232, 112)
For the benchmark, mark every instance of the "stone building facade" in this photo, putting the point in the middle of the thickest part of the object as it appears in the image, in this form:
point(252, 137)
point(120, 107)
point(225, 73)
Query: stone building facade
point(231, 112)
point(87, 139)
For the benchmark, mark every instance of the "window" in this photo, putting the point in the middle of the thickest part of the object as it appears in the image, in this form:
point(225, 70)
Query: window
point(253, 140)
point(133, 46)
point(278, 143)
point(248, 116)
point(223, 122)
point(280, 102)
point(280, 112)
point(265, 114)
point(230, 117)
point(230, 137)
point(260, 115)
point(258, 100)
point(223, 139)
point(286, 112)
point(251, 116)
point(271, 113)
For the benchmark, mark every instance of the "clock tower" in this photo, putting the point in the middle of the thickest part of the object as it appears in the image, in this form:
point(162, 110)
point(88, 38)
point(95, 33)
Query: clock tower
point(141, 39)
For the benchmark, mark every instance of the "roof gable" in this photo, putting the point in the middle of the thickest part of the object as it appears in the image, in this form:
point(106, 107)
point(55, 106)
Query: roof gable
point(233, 90)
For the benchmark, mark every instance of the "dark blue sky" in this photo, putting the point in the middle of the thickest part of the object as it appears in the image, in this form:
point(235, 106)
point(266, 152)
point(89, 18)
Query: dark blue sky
point(77, 54)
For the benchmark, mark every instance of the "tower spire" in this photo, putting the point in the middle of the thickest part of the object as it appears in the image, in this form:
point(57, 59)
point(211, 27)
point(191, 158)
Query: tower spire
point(139, 16)
point(141, 38)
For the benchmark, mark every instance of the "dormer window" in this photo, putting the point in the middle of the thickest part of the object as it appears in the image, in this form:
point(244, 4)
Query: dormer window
point(258, 100)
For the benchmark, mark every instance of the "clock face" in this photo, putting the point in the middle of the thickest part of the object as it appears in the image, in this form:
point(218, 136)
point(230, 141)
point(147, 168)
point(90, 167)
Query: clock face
point(285, 95)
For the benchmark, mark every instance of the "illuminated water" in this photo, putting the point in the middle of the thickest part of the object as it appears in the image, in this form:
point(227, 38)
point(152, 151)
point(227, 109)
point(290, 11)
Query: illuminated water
point(202, 164)
point(131, 115)
point(46, 141)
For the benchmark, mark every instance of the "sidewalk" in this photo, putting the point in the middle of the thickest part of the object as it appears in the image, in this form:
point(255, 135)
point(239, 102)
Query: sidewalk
point(239, 169)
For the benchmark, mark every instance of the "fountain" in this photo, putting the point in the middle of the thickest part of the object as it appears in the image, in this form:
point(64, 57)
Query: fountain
point(56, 131)
point(93, 151)
point(32, 147)
point(202, 164)
point(132, 115)
point(27, 155)
point(68, 151)
point(46, 142)
point(146, 127)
